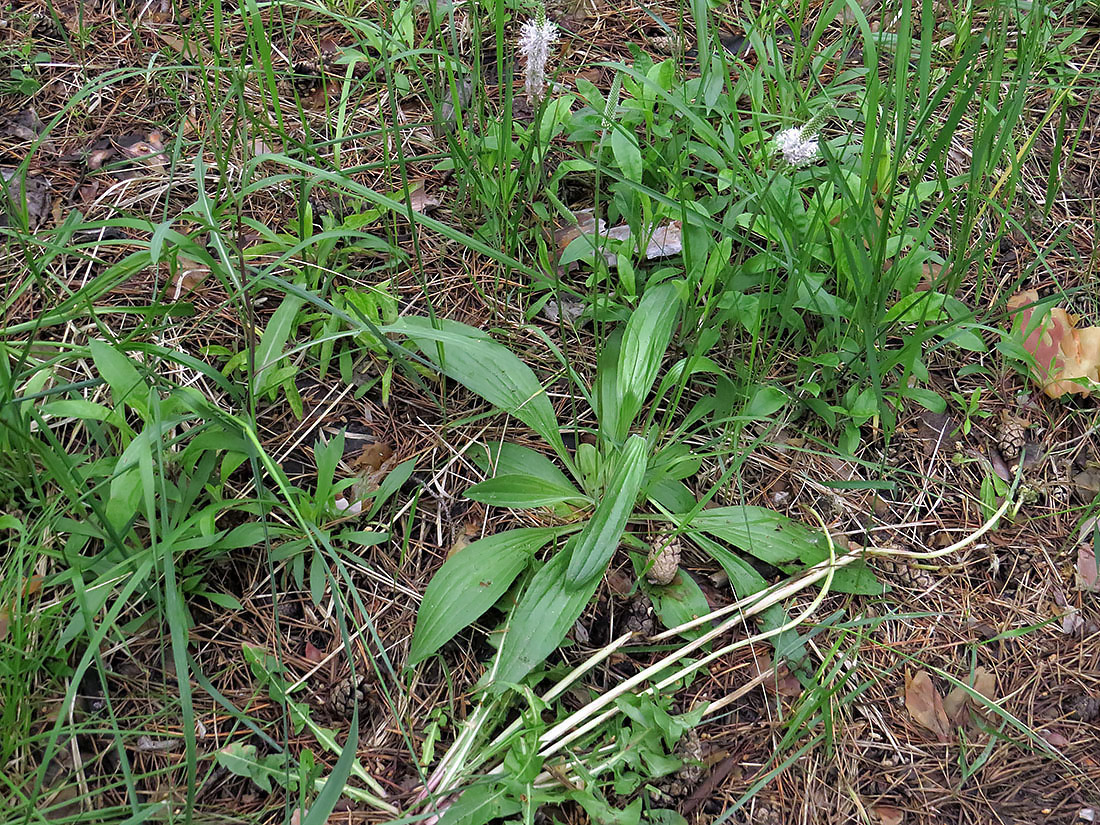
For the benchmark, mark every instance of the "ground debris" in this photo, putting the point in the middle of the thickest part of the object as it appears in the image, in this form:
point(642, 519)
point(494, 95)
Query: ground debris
point(27, 195)
point(925, 705)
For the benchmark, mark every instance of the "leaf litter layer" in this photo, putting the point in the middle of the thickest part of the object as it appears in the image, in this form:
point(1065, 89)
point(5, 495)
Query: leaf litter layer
point(119, 158)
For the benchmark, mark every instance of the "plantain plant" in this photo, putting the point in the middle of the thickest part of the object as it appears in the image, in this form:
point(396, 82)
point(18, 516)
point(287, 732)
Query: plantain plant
point(632, 473)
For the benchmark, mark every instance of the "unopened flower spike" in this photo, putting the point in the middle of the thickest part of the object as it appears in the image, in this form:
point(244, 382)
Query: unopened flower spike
point(535, 39)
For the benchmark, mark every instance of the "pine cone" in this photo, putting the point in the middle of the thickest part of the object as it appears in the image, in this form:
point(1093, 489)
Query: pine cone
point(345, 695)
point(1011, 435)
point(1086, 708)
point(664, 558)
point(903, 573)
point(682, 784)
point(640, 617)
point(690, 750)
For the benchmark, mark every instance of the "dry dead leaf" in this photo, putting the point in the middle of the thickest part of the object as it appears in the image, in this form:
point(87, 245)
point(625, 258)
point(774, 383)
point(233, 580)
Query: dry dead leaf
point(25, 192)
point(888, 814)
point(313, 653)
point(131, 155)
point(1067, 356)
point(1054, 738)
point(1087, 574)
point(419, 198)
point(371, 466)
point(924, 704)
point(189, 276)
point(189, 48)
point(469, 534)
point(959, 699)
point(780, 680)
point(666, 239)
point(23, 125)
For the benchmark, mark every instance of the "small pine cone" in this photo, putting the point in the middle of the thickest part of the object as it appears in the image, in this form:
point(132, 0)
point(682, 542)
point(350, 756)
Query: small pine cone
point(640, 617)
point(1011, 435)
point(903, 573)
point(345, 695)
point(664, 558)
point(690, 750)
point(767, 815)
point(1086, 708)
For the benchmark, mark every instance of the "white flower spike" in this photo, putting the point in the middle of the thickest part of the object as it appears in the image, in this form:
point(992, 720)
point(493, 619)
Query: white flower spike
point(535, 38)
point(797, 146)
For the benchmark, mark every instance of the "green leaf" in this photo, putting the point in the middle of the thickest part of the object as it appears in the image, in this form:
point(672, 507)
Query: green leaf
point(624, 146)
point(766, 534)
point(243, 760)
point(643, 346)
point(509, 459)
point(855, 577)
point(479, 805)
point(675, 603)
point(545, 613)
point(521, 491)
point(488, 369)
point(393, 482)
point(764, 402)
point(270, 349)
point(86, 410)
point(469, 583)
point(127, 385)
point(600, 537)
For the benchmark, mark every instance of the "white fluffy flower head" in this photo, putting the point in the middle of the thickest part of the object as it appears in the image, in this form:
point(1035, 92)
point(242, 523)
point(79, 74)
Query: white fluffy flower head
point(535, 38)
point(797, 146)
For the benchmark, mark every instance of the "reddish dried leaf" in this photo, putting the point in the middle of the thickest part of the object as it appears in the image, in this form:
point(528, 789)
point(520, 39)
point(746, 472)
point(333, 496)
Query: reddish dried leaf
point(1054, 738)
point(313, 653)
point(924, 704)
point(955, 705)
point(1088, 577)
point(888, 814)
point(1067, 357)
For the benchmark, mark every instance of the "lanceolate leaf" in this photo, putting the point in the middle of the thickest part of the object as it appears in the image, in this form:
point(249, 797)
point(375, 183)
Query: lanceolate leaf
point(766, 534)
point(487, 368)
point(469, 583)
point(600, 537)
point(508, 459)
point(543, 616)
point(644, 343)
point(514, 490)
point(273, 340)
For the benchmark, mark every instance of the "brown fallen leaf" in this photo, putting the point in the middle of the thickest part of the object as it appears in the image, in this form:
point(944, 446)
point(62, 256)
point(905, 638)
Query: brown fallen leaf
point(189, 276)
point(779, 679)
point(1054, 738)
point(1088, 577)
point(128, 155)
point(24, 192)
point(888, 814)
point(959, 699)
point(924, 704)
point(23, 125)
point(313, 653)
point(371, 466)
point(421, 201)
point(664, 240)
point(1067, 356)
